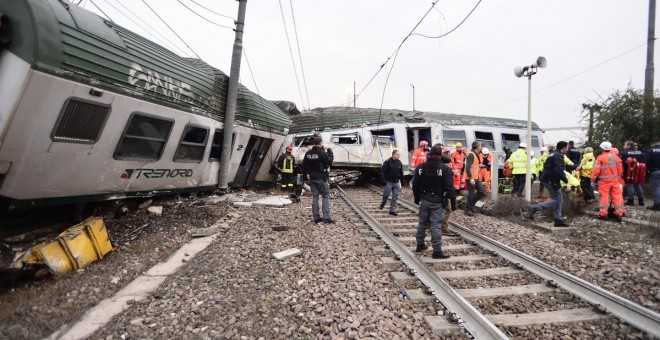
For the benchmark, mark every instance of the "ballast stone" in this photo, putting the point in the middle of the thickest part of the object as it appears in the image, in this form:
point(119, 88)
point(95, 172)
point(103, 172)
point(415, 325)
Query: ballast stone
point(156, 210)
point(287, 253)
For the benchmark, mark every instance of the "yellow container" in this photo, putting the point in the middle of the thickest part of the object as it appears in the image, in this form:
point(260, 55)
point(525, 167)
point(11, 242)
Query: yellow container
point(73, 249)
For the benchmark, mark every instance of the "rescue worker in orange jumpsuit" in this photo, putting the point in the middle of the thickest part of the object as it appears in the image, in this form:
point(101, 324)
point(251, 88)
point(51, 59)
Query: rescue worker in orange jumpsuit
point(485, 158)
point(458, 159)
point(419, 155)
point(609, 171)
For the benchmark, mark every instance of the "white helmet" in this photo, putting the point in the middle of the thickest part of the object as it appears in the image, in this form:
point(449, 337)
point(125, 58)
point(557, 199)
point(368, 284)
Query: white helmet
point(485, 151)
point(522, 145)
point(544, 149)
point(607, 146)
point(531, 153)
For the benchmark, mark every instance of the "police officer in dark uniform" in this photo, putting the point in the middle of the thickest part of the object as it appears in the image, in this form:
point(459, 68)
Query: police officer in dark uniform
point(574, 155)
point(432, 185)
point(632, 189)
point(315, 170)
point(652, 160)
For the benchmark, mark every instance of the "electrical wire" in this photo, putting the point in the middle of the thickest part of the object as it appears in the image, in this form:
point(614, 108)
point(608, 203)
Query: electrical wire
point(222, 15)
point(286, 31)
point(453, 29)
point(142, 28)
point(302, 70)
point(168, 26)
point(568, 78)
point(99, 8)
point(396, 51)
point(214, 23)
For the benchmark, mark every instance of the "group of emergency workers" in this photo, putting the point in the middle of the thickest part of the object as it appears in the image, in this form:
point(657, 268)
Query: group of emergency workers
point(438, 174)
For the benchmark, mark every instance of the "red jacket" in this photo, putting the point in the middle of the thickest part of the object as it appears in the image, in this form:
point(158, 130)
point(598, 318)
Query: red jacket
point(418, 157)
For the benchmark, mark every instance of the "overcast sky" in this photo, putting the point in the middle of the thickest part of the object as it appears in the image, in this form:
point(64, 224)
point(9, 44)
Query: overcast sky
point(470, 71)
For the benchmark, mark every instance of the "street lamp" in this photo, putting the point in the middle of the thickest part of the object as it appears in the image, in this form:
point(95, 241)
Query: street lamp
point(529, 71)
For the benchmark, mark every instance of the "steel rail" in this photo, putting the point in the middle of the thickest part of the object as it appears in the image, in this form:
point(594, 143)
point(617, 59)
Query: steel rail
point(622, 308)
point(473, 321)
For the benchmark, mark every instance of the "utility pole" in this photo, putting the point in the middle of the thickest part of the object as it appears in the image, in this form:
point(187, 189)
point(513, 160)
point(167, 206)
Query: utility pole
point(232, 95)
point(648, 79)
point(413, 87)
point(354, 95)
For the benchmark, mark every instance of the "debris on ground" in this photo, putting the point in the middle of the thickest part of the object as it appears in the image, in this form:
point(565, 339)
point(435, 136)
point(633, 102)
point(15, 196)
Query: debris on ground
point(73, 249)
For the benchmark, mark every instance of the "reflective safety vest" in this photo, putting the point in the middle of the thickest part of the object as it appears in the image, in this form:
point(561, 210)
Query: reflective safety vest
point(518, 162)
point(287, 163)
point(608, 168)
point(574, 182)
point(540, 163)
point(587, 165)
point(568, 161)
point(475, 168)
point(535, 168)
point(458, 158)
point(418, 158)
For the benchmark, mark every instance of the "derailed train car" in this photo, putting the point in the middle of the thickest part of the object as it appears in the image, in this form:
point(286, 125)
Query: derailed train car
point(362, 138)
point(91, 111)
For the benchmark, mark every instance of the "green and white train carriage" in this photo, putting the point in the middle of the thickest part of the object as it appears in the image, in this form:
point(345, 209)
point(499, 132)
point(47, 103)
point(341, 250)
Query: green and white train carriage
point(362, 138)
point(90, 111)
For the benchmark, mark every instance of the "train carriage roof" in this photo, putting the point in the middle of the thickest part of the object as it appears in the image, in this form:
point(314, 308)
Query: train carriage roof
point(69, 41)
point(335, 118)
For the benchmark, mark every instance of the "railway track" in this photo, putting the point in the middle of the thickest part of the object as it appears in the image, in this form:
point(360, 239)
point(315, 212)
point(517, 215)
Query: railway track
point(488, 288)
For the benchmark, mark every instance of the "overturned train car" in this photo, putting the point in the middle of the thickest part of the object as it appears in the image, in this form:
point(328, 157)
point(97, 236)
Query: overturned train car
point(91, 111)
point(362, 138)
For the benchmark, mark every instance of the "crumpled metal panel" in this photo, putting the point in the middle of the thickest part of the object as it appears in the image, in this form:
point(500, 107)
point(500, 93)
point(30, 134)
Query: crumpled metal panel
point(73, 249)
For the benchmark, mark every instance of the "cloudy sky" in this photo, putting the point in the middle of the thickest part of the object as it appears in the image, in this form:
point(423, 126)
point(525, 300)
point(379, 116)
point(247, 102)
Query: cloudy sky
point(593, 47)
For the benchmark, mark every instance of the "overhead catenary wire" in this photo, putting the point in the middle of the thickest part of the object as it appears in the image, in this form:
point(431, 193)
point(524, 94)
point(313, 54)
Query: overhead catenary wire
point(286, 31)
point(302, 69)
point(453, 29)
point(166, 42)
point(99, 8)
point(567, 78)
point(214, 12)
point(168, 26)
point(201, 16)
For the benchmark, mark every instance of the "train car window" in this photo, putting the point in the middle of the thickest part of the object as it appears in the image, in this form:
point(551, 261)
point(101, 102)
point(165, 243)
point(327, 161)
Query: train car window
point(303, 140)
point(144, 138)
point(486, 139)
point(80, 121)
point(510, 140)
point(347, 138)
point(535, 142)
point(451, 137)
point(192, 145)
point(216, 147)
point(383, 137)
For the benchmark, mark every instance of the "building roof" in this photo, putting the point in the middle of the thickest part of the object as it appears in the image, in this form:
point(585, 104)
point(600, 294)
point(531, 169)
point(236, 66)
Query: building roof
point(71, 42)
point(335, 118)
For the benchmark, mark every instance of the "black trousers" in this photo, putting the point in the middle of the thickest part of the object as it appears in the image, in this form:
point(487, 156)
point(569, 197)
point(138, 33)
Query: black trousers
point(587, 190)
point(519, 184)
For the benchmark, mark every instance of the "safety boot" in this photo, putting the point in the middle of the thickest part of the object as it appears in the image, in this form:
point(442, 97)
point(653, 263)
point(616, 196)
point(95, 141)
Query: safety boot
point(440, 255)
point(641, 202)
point(530, 212)
point(630, 202)
point(617, 218)
point(561, 223)
point(421, 248)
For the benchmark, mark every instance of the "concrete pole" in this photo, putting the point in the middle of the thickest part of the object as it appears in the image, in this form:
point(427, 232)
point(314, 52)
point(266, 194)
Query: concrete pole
point(354, 96)
point(494, 176)
point(648, 79)
point(232, 95)
point(528, 178)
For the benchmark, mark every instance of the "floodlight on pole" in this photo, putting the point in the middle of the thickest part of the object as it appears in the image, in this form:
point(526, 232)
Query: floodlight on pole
point(529, 71)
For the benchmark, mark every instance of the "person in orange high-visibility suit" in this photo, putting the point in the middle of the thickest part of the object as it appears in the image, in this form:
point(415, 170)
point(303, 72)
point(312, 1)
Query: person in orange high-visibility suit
point(485, 159)
point(419, 155)
point(458, 160)
point(608, 169)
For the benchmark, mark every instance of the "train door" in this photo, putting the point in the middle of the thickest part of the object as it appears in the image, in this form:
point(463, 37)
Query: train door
point(415, 135)
point(255, 152)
